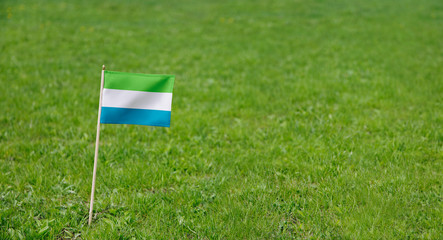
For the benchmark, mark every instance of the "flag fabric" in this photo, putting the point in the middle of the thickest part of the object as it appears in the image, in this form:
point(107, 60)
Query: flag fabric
point(133, 98)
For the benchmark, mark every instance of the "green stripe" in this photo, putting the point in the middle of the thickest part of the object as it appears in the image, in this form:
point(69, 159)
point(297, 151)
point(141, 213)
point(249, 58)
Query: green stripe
point(139, 82)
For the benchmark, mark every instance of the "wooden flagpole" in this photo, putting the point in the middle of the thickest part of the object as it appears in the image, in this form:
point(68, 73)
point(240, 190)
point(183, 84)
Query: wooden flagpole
point(97, 140)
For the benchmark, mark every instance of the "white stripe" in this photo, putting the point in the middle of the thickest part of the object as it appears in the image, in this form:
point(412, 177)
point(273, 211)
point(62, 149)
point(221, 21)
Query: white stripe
point(137, 99)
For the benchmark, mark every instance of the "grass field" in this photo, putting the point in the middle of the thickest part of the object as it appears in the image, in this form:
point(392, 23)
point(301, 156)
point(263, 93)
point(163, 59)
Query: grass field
point(291, 119)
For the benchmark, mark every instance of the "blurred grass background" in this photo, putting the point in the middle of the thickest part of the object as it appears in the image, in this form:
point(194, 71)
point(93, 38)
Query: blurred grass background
point(291, 119)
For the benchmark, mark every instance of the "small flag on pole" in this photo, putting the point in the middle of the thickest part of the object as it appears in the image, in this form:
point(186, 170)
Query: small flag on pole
point(141, 99)
point(131, 98)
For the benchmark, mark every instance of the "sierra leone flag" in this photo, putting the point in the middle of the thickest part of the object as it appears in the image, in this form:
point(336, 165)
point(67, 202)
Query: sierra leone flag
point(132, 98)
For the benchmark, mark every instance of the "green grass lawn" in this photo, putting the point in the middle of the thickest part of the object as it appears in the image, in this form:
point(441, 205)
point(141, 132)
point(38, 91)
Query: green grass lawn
point(290, 119)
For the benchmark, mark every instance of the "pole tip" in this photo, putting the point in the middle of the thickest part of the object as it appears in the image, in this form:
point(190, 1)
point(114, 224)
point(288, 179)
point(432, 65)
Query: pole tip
point(103, 68)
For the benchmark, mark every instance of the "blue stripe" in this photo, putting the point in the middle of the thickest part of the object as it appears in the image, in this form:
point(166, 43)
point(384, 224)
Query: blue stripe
point(113, 115)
